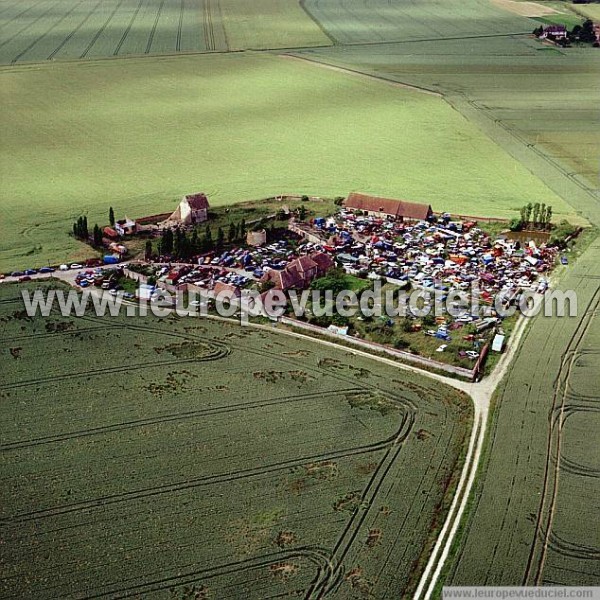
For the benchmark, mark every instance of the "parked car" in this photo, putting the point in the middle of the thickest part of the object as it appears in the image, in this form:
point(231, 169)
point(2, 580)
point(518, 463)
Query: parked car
point(441, 348)
point(76, 266)
point(30, 271)
point(564, 260)
point(46, 270)
point(25, 278)
point(472, 354)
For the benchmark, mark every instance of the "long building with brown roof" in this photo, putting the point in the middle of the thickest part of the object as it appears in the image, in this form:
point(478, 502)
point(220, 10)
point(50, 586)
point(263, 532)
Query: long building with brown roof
point(387, 207)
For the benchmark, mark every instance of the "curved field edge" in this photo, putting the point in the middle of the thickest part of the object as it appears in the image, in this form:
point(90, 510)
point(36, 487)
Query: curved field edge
point(341, 487)
point(269, 126)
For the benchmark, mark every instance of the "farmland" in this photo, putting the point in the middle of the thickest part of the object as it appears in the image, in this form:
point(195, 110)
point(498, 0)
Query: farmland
point(507, 86)
point(533, 519)
point(78, 148)
point(228, 459)
point(33, 30)
point(357, 22)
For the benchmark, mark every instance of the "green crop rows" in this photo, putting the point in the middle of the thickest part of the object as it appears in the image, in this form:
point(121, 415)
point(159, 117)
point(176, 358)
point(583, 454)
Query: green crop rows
point(38, 30)
point(152, 454)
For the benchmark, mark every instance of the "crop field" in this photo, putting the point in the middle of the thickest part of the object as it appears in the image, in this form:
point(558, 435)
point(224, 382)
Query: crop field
point(510, 84)
point(79, 148)
point(534, 519)
point(38, 30)
point(372, 21)
point(239, 462)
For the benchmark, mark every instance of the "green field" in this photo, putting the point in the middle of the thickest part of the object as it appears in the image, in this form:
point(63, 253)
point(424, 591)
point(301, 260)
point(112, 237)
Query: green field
point(246, 463)
point(34, 30)
point(356, 21)
point(507, 86)
point(137, 134)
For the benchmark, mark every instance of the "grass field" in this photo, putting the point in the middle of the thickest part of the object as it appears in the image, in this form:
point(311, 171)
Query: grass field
point(510, 82)
point(139, 133)
point(242, 462)
point(356, 21)
point(38, 30)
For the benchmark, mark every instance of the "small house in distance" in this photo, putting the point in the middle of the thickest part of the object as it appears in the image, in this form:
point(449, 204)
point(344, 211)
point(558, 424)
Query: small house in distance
point(387, 207)
point(192, 209)
point(554, 32)
point(300, 272)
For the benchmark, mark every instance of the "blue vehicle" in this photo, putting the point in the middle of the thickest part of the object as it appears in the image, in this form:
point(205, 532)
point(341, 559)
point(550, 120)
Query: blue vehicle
point(46, 270)
point(30, 272)
point(564, 260)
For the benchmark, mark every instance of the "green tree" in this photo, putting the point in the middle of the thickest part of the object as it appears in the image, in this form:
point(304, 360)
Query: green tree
point(148, 250)
point(243, 229)
point(301, 212)
point(231, 237)
point(220, 239)
point(111, 216)
point(542, 217)
point(516, 224)
point(536, 213)
point(548, 217)
point(529, 210)
point(167, 242)
point(194, 242)
point(97, 235)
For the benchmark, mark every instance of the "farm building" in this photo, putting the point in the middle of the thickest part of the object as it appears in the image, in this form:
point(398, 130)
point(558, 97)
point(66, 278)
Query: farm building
point(554, 32)
point(126, 226)
point(387, 207)
point(192, 209)
point(300, 272)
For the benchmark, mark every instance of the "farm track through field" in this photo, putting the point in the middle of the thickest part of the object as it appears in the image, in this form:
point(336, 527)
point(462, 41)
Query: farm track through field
point(400, 435)
point(43, 35)
point(535, 564)
point(30, 336)
point(169, 418)
point(128, 29)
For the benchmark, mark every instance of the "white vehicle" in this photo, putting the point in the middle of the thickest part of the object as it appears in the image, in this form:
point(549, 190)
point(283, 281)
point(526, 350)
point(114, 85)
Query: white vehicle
point(63, 268)
point(472, 354)
point(441, 348)
point(75, 266)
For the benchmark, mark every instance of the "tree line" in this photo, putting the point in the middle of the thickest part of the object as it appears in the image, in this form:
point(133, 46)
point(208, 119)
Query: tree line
point(536, 216)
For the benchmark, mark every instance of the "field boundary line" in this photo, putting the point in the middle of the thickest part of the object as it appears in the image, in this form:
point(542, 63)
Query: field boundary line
point(357, 73)
point(318, 23)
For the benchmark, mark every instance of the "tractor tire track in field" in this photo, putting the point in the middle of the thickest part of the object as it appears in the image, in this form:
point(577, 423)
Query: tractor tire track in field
point(68, 37)
point(352, 529)
point(20, 338)
point(153, 30)
point(216, 354)
point(316, 555)
point(32, 44)
point(399, 436)
point(544, 523)
point(101, 30)
point(14, 35)
point(179, 26)
point(128, 29)
point(31, 6)
point(209, 33)
point(169, 418)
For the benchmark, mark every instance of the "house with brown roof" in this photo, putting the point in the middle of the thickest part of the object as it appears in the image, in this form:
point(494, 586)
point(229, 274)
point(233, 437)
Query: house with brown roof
point(192, 209)
point(300, 272)
point(387, 207)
